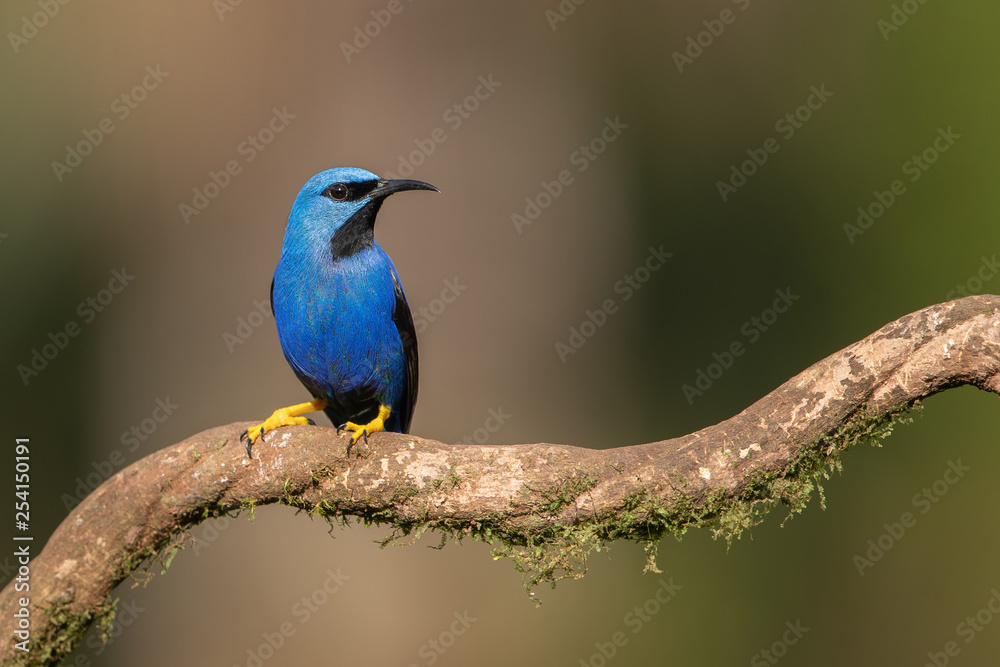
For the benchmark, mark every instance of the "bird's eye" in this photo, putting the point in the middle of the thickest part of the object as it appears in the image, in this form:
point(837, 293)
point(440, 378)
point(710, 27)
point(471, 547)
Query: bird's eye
point(338, 191)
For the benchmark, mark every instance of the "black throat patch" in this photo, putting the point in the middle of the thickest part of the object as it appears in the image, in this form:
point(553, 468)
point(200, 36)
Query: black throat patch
point(357, 233)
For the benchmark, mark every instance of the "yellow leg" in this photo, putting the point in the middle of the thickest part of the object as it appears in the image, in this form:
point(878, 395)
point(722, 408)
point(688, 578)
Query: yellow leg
point(289, 416)
point(374, 426)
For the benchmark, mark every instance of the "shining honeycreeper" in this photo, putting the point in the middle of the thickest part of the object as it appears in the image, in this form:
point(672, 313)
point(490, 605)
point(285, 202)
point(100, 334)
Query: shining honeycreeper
point(343, 321)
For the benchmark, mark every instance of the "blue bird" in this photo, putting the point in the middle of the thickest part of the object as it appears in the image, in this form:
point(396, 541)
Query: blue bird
point(342, 317)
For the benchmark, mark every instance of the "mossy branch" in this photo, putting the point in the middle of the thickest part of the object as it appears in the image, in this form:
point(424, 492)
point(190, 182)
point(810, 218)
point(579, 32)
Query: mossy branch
point(545, 506)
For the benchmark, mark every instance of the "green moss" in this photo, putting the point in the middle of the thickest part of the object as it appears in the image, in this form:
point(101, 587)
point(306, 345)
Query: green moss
point(545, 549)
point(106, 622)
point(250, 505)
point(64, 631)
point(566, 493)
point(290, 497)
point(535, 534)
point(647, 515)
point(447, 483)
point(403, 493)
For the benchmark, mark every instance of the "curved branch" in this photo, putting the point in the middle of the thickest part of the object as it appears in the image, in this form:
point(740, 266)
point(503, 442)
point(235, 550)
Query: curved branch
point(559, 500)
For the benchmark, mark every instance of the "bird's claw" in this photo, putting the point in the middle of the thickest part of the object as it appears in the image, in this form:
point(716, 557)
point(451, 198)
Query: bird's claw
point(364, 430)
point(290, 416)
point(249, 439)
point(358, 431)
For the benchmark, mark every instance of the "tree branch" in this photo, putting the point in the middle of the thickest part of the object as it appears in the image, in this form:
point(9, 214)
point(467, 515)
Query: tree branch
point(545, 505)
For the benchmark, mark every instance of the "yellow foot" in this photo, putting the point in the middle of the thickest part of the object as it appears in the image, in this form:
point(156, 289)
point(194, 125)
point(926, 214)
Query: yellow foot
point(289, 416)
point(374, 426)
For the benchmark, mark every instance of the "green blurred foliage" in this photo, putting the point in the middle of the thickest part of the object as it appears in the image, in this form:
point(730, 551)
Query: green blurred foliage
point(495, 346)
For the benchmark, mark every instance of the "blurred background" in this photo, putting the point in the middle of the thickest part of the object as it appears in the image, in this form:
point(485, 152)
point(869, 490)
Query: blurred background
point(152, 153)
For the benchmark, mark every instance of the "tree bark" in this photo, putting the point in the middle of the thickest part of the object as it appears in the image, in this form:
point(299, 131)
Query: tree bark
point(544, 505)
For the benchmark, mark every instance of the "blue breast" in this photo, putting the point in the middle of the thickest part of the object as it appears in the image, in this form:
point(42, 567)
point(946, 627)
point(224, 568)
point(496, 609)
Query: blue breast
point(334, 320)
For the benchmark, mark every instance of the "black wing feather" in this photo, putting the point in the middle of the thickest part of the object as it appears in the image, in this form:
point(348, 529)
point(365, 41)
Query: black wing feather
point(403, 320)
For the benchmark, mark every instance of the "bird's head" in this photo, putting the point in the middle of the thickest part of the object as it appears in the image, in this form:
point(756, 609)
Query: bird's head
point(338, 206)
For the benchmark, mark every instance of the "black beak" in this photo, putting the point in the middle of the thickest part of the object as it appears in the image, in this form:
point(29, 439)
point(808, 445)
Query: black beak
point(386, 188)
